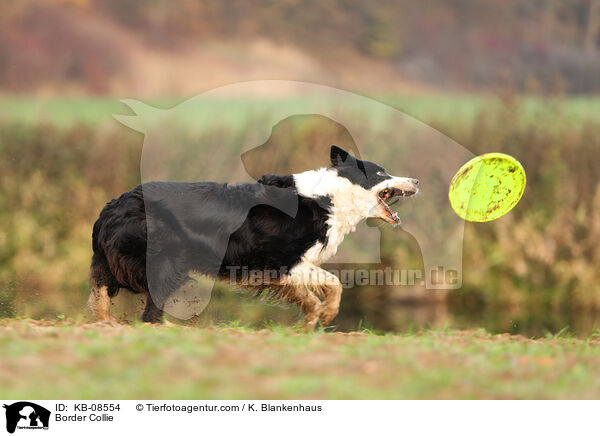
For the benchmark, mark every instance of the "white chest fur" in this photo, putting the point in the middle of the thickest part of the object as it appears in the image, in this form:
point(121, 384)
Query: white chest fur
point(350, 204)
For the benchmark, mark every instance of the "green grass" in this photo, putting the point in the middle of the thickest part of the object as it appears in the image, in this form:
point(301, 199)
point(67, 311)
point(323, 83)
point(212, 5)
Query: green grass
point(67, 359)
point(443, 108)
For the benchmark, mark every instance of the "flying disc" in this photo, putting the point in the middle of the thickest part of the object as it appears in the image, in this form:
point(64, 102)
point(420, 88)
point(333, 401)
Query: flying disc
point(487, 187)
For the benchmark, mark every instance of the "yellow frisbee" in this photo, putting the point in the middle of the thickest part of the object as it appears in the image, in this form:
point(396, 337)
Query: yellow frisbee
point(487, 187)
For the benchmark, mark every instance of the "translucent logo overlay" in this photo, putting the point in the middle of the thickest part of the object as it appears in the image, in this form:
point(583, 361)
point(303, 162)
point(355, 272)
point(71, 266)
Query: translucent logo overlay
point(239, 132)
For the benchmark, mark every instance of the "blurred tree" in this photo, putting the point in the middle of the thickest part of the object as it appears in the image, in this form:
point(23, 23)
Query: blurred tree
point(593, 26)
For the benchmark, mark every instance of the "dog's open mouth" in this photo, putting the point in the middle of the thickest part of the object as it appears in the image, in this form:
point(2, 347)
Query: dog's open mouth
point(389, 196)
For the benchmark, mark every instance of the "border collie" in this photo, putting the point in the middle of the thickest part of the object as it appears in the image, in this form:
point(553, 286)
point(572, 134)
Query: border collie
point(149, 239)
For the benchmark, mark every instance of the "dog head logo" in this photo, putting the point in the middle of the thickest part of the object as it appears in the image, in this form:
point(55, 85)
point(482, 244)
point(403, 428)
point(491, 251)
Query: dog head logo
point(26, 415)
point(234, 134)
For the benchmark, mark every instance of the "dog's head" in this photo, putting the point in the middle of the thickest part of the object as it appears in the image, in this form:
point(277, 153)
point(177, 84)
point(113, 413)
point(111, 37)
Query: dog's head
point(372, 185)
point(360, 187)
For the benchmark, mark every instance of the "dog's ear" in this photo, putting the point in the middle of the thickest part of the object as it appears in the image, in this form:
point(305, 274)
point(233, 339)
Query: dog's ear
point(339, 156)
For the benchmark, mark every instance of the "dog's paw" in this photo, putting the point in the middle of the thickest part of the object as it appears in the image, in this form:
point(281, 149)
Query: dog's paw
point(310, 323)
point(327, 315)
point(110, 322)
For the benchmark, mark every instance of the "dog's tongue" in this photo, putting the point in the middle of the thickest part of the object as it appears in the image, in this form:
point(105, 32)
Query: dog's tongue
point(391, 212)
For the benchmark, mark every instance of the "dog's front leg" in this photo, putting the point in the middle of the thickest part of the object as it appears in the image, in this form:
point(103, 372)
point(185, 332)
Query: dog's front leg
point(310, 281)
point(332, 289)
point(300, 286)
point(311, 306)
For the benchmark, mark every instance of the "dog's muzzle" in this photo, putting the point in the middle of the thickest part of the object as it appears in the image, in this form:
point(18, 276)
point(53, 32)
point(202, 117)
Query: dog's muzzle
point(401, 188)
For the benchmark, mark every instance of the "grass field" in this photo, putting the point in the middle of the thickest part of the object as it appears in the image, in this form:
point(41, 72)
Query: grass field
point(443, 108)
point(67, 359)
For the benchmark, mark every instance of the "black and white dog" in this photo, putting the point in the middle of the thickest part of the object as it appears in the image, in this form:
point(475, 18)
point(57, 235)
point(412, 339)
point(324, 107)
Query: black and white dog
point(149, 239)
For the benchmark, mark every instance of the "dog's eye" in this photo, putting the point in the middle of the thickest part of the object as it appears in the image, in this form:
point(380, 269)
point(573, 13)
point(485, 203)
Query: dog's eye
point(381, 174)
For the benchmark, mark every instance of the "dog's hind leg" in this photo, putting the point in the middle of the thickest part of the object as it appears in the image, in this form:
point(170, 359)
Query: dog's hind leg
point(152, 313)
point(99, 303)
point(104, 287)
point(165, 276)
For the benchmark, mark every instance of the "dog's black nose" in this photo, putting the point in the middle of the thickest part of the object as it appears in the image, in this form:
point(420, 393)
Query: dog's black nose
point(415, 181)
